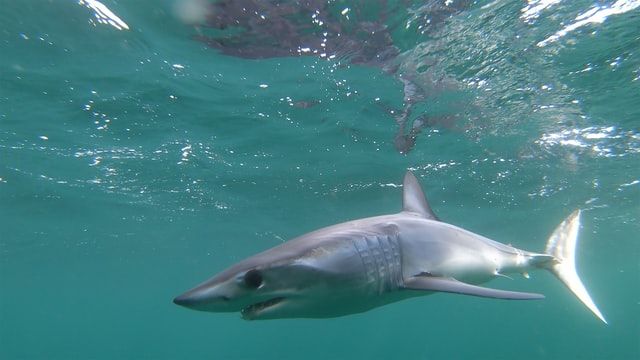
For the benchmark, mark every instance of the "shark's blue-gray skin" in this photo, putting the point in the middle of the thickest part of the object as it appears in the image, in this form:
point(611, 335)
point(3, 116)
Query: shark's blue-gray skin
point(358, 265)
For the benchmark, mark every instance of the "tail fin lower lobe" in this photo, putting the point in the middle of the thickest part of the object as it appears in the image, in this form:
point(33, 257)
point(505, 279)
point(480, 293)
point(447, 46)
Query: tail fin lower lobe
point(562, 246)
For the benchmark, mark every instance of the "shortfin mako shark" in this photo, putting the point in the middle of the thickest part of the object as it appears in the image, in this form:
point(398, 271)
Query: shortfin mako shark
point(362, 264)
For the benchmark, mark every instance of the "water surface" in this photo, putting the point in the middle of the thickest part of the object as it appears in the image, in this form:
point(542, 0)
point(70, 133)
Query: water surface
point(137, 160)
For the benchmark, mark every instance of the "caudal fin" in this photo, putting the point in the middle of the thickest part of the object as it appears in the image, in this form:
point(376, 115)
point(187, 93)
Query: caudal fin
point(562, 246)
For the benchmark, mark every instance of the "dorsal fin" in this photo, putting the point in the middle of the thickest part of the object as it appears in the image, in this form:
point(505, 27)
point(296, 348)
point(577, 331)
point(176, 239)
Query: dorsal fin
point(413, 199)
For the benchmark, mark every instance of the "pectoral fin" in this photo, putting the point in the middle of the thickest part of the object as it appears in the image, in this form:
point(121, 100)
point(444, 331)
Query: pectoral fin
point(431, 283)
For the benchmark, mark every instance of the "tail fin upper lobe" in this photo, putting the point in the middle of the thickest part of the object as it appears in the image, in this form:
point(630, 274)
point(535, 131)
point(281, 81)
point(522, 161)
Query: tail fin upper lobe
point(562, 246)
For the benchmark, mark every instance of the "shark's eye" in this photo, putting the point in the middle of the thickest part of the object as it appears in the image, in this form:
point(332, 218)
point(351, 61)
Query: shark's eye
point(253, 279)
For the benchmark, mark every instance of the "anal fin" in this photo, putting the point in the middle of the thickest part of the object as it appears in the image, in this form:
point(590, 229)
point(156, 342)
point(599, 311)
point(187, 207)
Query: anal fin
point(442, 284)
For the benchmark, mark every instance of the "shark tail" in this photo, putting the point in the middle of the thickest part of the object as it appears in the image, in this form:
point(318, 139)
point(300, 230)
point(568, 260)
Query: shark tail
point(562, 247)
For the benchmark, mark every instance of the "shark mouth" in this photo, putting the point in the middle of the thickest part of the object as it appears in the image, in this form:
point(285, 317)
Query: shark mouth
point(251, 311)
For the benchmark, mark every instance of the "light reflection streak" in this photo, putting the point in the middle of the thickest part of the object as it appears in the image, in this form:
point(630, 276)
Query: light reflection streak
point(534, 7)
point(104, 15)
point(595, 15)
point(601, 141)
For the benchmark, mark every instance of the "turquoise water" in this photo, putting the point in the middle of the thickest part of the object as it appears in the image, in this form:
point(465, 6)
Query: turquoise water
point(136, 161)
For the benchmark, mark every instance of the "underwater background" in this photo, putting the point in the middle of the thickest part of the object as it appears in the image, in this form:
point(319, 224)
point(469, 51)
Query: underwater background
point(145, 146)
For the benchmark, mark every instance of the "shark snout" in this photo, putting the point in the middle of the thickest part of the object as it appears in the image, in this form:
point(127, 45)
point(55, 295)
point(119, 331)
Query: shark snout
point(194, 300)
point(205, 297)
point(190, 299)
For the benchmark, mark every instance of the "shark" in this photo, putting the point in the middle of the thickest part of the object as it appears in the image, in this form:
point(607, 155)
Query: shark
point(359, 265)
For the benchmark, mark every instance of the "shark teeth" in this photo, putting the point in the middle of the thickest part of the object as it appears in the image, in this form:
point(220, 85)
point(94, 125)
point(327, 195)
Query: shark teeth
point(253, 309)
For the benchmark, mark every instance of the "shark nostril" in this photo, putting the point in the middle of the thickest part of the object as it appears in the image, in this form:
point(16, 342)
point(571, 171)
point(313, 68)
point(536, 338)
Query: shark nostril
point(224, 298)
